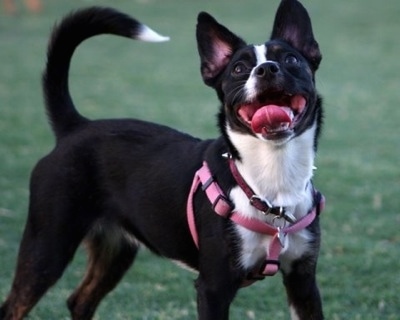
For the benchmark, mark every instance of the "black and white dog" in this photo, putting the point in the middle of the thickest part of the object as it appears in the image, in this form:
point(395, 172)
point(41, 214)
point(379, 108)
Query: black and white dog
point(115, 184)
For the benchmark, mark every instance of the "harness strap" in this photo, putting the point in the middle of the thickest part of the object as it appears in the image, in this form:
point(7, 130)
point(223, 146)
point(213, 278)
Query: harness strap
point(271, 264)
point(190, 212)
point(220, 204)
point(223, 207)
point(257, 201)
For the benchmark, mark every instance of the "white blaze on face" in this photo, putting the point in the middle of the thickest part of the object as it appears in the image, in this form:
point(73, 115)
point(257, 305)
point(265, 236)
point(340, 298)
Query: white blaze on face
point(260, 52)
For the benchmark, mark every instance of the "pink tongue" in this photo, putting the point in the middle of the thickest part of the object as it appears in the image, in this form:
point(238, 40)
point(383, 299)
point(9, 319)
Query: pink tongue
point(270, 118)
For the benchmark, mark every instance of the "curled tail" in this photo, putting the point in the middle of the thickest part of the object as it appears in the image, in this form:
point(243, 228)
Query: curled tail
point(72, 30)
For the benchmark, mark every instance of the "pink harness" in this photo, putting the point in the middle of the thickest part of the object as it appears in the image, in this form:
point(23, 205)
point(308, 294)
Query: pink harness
point(223, 207)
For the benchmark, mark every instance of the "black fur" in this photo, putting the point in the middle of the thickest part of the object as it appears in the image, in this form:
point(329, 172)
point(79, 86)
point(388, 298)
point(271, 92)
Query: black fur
point(115, 183)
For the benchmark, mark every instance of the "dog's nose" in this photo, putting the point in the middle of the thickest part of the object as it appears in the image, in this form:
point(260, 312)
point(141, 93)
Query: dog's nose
point(267, 68)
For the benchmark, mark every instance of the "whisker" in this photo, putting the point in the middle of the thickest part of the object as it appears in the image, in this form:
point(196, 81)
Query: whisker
point(237, 93)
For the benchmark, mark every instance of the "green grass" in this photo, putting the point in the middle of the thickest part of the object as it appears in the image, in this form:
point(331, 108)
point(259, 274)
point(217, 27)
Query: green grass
point(358, 159)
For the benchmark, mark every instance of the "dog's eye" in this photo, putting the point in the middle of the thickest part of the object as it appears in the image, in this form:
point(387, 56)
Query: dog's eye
point(291, 59)
point(238, 69)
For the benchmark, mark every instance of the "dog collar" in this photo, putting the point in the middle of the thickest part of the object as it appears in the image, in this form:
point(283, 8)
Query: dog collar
point(224, 208)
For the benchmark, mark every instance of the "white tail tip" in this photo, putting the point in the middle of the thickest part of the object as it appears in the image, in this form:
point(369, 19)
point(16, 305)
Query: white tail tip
point(149, 35)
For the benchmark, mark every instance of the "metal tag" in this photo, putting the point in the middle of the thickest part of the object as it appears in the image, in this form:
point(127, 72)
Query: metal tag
point(281, 237)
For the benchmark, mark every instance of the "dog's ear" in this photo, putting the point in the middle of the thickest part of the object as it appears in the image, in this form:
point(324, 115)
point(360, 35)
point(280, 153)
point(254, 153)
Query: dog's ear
point(216, 45)
point(293, 25)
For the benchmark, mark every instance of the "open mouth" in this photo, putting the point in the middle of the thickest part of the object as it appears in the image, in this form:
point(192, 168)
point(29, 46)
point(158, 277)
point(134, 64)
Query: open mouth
point(274, 116)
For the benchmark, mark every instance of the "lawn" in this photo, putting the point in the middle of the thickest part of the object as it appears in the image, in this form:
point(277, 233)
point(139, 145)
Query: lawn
point(358, 159)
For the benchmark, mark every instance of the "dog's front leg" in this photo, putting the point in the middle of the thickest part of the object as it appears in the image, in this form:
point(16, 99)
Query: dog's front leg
point(213, 300)
point(302, 290)
point(218, 281)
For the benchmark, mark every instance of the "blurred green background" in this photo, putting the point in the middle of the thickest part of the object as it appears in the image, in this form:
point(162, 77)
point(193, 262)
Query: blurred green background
point(358, 159)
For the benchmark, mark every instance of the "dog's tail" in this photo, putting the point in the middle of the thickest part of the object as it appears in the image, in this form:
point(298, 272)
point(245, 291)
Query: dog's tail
point(72, 30)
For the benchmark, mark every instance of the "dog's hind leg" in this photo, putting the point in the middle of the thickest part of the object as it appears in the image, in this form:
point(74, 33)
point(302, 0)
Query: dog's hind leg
point(60, 215)
point(46, 249)
point(111, 251)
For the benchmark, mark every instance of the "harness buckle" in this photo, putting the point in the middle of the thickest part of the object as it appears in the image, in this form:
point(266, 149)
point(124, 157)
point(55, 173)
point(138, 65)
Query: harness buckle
point(222, 206)
point(255, 198)
point(267, 208)
point(265, 271)
point(207, 183)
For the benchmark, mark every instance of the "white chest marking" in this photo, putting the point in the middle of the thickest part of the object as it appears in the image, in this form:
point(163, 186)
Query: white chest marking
point(281, 174)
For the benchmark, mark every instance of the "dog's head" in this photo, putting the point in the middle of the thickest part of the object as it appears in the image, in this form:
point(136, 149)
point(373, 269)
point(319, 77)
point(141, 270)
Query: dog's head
point(266, 90)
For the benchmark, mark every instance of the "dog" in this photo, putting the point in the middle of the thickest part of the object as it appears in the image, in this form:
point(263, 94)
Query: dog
point(235, 209)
